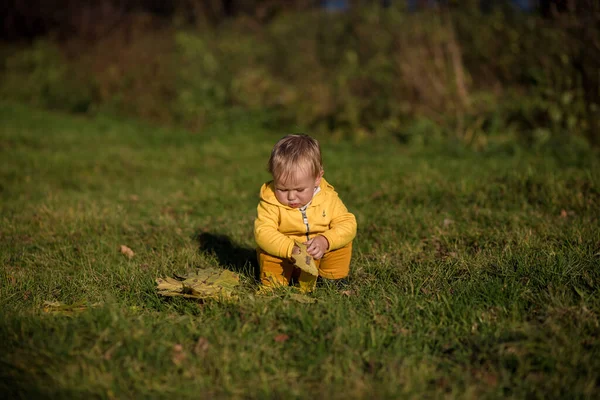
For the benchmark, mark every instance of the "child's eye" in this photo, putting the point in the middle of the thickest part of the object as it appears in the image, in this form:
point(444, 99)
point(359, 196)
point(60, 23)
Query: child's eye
point(300, 190)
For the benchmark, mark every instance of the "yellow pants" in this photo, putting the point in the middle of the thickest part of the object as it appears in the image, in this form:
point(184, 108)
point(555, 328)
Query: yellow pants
point(278, 271)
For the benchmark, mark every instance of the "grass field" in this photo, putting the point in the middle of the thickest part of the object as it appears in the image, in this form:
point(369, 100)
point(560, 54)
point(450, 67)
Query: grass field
point(475, 274)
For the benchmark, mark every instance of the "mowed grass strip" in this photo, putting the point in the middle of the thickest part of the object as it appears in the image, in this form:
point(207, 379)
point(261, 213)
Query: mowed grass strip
point(475, 274)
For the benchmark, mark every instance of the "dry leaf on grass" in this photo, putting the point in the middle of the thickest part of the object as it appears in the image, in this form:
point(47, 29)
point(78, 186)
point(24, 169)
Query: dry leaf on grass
point(201, 346)
point(178, 355)
point(201, 284)
point(281, 338)
point(126, 251)
point(58, 308)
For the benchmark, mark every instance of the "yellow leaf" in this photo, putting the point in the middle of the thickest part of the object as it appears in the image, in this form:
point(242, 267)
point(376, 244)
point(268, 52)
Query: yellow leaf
point(58, 308)
point(200, 284)
point(169, 284)
point(304, 261)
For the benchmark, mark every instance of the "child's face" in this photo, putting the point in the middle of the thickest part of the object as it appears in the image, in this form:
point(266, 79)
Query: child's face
point(296, 190)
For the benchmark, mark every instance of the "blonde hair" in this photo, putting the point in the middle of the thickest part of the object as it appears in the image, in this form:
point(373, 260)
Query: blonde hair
point(293, 152)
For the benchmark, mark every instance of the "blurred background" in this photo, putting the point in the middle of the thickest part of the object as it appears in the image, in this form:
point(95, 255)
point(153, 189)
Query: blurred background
point(475, 71)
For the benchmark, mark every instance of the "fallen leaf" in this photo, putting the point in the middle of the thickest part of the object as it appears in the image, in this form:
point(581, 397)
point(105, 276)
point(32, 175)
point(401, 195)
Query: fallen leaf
point(169, 284)
point(58, 308)
point(126, 251)
point(563, 213)
point(178, 356)
point(400, 330)
point(200, 284)
point(281, 338)
point(348, 292)
point(376, 195)
point(109, 353)
point(487, 377)
point(201, 346)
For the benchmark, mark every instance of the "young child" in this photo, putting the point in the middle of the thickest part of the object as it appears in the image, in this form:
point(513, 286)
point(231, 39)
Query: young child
point(299, 205)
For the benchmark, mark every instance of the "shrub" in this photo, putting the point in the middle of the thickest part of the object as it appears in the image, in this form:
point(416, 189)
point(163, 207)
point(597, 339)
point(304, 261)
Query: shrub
point(132, 68)
point(200, 88)
point(455, 73)
point(40, 75)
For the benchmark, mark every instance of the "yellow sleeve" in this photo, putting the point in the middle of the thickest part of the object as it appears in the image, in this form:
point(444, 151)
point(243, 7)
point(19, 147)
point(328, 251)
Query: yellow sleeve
point(266, 232)
point(342, 227)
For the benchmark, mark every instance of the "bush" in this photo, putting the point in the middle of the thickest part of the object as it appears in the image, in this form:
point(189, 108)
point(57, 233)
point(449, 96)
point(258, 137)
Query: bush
point(132, 65)
point(533, 62)
point(200, 88)
point(466, 75)
point(40, 75)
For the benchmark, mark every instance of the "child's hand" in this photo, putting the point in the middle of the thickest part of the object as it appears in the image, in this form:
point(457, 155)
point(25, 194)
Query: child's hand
point(317, 246)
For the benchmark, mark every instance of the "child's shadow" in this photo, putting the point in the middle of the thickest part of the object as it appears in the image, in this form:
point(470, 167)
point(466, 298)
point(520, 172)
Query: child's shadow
point(230, 255)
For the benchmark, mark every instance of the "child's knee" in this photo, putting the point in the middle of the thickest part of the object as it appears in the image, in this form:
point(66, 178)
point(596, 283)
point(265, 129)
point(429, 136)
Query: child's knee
point(335, 272)
point(336, 263)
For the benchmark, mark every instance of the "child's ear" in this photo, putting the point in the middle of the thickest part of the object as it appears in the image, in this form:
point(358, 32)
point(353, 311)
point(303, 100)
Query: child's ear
point(318, 180)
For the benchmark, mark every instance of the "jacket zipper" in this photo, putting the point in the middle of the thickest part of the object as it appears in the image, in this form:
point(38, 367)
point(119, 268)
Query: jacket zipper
point(305, 220)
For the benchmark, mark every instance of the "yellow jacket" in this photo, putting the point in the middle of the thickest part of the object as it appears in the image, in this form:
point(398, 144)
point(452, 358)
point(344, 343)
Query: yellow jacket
point(277, 226)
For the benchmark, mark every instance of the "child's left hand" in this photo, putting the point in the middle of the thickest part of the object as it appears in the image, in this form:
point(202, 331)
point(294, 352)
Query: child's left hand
point(317, 246)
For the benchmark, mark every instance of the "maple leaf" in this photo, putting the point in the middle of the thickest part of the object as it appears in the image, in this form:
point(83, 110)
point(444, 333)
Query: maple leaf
point(200, 284)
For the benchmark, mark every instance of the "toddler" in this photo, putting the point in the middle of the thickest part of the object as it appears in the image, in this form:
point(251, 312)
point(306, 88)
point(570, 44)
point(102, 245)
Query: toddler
point(300, 205)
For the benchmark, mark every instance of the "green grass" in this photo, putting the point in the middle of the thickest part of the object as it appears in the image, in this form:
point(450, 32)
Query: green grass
point(475, 274)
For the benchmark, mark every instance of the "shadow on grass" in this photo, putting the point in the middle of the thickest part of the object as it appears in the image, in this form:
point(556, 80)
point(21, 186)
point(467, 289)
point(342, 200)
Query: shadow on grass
point(230, 255)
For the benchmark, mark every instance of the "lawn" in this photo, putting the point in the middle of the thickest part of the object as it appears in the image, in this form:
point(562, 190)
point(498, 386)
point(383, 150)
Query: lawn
point(476, 274)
